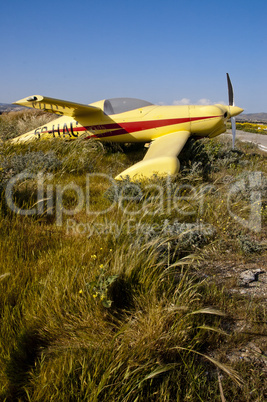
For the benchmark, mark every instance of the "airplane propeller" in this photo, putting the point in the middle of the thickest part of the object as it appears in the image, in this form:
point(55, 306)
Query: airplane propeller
point(231, 103)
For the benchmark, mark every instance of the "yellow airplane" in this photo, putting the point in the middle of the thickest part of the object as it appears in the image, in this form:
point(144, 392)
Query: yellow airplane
point(166, 128)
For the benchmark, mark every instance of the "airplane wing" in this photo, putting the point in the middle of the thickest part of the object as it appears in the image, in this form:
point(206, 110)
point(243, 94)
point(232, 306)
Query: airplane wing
point(161, 157)
point(57, 106)
point(167, 145)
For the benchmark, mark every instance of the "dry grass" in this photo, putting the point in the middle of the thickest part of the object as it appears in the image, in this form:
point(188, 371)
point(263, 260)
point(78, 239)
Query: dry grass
point(13, 124)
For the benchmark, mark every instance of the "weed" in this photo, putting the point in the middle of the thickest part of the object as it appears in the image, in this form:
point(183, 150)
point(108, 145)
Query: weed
point(101, 285)
point(249, 246)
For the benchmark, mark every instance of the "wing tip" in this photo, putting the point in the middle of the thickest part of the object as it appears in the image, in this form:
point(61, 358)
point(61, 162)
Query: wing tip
point(28, 100)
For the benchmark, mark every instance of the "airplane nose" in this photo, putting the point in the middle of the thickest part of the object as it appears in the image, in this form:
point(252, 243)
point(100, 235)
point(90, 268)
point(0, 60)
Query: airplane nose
point(235, 110)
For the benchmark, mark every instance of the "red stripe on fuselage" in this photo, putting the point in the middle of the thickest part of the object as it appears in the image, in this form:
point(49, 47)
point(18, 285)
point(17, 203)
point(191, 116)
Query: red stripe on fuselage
point(131, 127)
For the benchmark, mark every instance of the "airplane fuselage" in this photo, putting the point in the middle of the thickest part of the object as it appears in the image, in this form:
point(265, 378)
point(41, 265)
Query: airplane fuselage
point(139, 125)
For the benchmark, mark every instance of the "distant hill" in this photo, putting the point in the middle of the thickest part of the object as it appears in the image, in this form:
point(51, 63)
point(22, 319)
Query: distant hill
point(257, 117)
point(6, 107)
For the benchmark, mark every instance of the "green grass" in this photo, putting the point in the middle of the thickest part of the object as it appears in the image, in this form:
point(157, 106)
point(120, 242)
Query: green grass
point(127, 305)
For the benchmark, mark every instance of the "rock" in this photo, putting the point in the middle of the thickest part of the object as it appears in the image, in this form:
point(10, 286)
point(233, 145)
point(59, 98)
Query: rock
point(249, 276)
point(254, 348)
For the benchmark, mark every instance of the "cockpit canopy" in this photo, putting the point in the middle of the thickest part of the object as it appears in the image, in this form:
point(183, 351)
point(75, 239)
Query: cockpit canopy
point(121, 105)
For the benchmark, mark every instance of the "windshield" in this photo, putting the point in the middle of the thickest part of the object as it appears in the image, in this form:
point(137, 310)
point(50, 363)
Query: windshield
point(120, 105)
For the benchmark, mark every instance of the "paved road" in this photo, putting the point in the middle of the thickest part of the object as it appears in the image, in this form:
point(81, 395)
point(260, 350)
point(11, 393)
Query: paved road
point(259, 139)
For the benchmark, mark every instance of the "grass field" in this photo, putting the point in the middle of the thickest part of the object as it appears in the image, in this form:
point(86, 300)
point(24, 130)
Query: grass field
point(130, 291)
point(252, 127)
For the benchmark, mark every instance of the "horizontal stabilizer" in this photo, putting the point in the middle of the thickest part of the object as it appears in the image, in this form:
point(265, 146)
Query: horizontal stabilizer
point(57, 106)
point(24, 138)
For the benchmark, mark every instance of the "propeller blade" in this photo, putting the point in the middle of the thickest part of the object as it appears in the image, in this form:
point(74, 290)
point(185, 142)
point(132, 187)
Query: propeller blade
point(233, 130)
point(230, 91)
point(231, 103)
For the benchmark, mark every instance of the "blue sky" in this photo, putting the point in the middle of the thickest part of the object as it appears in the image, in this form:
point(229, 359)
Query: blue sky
point(171, 51)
